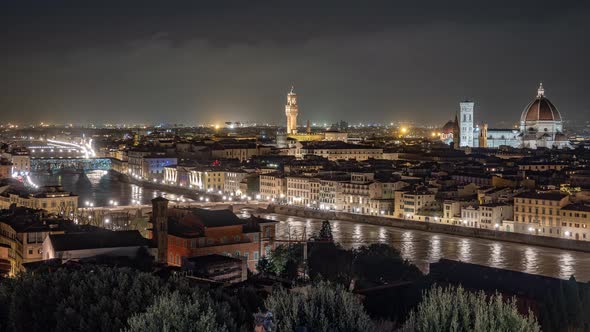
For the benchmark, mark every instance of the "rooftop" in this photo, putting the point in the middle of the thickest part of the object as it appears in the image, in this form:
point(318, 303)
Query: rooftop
point(549, 196)
point(584, 207)
point(95, 240)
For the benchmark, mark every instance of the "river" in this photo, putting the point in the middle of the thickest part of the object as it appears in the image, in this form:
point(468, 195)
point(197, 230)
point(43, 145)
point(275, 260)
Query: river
point(101, 188)
point(421, 248)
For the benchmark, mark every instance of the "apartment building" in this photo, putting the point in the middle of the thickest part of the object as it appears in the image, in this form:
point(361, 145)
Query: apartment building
point(409, 202)
point(539, 212)
point(232, 181)
point(303, 190)
point(207, 179)
point(330, 196)
point(336, 150)
point(273, 186)
point(52, 199)
point(575, 221)
point(487, 216)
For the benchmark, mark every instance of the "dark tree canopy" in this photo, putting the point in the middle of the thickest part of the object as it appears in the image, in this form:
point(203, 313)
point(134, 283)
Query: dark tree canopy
point(454, 309)
point(322, 307)
point(325, 233)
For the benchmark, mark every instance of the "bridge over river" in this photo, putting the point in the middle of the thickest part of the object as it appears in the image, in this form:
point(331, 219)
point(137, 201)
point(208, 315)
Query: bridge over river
point(69, 164)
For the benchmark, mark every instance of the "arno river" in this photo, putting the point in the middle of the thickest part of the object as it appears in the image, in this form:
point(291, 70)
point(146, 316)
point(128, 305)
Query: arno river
point(100, 188)
point(419, 247)
point(422, 248)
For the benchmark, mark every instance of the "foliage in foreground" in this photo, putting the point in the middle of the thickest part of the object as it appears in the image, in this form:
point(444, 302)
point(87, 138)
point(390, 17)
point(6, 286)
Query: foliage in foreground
point(90, 298)
point(322, 307)
point(99, 298)
point(176, 312)
point(454, 309)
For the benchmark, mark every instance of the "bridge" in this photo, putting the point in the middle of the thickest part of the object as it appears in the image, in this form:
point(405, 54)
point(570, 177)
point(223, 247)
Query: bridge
point(71, 164)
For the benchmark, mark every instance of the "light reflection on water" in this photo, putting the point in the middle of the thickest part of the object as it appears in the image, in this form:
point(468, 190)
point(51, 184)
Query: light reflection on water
point(465, 250)
point(99, 187)
point(496, 256)
point(422, 248)
point(530, 259)
point(434, 250)
point(566, 265)
point(419, 247)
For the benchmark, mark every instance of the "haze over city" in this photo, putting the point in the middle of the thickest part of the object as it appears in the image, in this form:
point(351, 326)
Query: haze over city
point(196, 62)
point(269, 166)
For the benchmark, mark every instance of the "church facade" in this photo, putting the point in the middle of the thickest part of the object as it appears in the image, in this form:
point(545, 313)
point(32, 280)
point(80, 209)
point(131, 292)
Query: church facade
point(541, 125)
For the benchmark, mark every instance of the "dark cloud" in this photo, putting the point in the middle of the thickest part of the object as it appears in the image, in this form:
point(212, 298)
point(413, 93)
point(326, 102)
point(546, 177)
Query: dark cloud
point(234, 60)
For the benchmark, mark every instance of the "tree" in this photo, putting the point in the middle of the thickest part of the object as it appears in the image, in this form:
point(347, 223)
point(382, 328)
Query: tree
point(98, 298)
point(284, 258)
point(331, 262)
point(325, 233)
point(264, 266)
point(90, 298)
point(380, 264)
point(454, 309)
point(322, 307)
point(175, 312)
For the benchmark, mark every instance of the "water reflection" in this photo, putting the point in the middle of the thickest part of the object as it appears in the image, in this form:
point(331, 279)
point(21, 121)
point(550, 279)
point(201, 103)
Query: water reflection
point(407, 246)
point(419, 247)
point(422, 248)
point(464, 250)
point(357, 235)
point(566, 265)
point(382, 235)
point(100, 187)
point(496, 257)
point(434, 250)
point(530, 260)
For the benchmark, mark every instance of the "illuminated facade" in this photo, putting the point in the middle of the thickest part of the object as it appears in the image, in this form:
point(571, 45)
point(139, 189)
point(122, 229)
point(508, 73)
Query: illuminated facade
point(291, 111)
point(466, 124)
point(540, 126)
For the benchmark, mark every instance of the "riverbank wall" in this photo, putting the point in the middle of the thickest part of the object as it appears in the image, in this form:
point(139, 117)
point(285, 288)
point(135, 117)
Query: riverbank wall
point(536, 240)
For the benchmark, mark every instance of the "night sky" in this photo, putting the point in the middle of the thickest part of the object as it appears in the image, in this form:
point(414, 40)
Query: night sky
point(213, 61)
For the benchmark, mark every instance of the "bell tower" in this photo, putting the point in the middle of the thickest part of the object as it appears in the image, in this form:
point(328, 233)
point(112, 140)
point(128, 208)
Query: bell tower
point(466, 123)
point(160, 227)
point(291, 111)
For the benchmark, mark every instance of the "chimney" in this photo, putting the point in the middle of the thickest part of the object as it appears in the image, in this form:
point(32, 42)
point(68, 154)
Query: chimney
point(160, 227)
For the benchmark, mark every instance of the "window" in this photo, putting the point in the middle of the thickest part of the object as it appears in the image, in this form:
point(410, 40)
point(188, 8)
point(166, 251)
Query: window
point(256, 255)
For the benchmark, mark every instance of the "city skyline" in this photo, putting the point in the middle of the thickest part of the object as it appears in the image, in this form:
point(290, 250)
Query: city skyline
point(385, 63)
point(308, 165)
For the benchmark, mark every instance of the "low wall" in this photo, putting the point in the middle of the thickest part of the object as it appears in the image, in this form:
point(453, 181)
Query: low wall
point(535, 240)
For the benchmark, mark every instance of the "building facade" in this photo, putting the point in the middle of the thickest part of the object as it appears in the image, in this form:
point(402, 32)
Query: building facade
point(291, 111)
point(466, 123)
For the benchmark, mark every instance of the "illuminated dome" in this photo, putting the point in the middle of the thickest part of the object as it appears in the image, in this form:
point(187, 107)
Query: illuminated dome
point(540, 109)
point(541, 124)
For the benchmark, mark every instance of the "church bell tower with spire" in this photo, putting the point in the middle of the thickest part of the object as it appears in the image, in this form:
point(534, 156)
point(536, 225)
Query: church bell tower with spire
point(291, 111)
